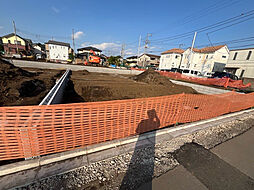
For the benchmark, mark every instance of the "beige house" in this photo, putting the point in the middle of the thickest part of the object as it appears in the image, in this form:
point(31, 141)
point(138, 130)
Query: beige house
point(241, 63)
point(171, 59)
point(145, 60)
point(205, 60)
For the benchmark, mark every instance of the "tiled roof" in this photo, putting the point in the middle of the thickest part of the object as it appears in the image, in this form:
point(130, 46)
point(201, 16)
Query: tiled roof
point(150, 55)
point(174, 50)
point(12, 34)
point(210, 49)
point(132, 57)
point(89, 48)
point(58, 43)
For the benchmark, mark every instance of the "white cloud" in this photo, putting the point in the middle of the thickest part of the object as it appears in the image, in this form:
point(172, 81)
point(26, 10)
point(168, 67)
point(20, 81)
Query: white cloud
point(105, 45)
point(56, 10)
point(110, 48)
point(78, 34)
point(85, 44)
point(1, 27)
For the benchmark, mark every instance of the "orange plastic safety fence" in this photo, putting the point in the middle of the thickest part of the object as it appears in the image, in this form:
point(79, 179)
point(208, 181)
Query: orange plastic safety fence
point(38, 130)
point(225, 82)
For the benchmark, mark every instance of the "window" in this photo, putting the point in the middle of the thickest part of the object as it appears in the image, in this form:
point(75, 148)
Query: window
point(17, 42)
point(177, 56)
point(9, 41)
point(224, 56)
point(152, 58)
point(249, 54)
point(235, 56)
point(207, 57)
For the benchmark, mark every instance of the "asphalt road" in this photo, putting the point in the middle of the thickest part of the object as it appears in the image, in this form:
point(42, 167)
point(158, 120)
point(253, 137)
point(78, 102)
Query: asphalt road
point(228, 166)
point(47, 65)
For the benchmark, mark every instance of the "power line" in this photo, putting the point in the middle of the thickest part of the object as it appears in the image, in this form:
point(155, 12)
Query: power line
point(209, 27)
point(42, 35)
point(204, 12)
point(247, 45)
point(241, 40)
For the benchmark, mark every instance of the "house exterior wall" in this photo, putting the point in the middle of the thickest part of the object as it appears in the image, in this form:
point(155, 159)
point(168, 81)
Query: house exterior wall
point(57, 52)
point(170, 60)
point(10, 46)
point(206, 62)
point(88, 51)
point(12, 40)
point(145, 60)
point(241, 65)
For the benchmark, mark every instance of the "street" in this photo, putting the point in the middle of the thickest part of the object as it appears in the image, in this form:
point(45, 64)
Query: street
point(229, 165)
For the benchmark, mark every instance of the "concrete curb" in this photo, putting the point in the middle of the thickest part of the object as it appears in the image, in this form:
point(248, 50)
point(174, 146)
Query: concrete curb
point(201, 88)
point(94, 149)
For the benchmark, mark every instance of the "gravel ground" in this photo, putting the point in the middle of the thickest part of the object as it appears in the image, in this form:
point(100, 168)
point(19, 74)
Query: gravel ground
point(142, 164)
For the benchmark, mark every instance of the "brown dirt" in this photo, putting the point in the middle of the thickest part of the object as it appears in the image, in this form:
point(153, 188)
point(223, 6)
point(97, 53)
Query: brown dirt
point(23, 87)
point(92, 87)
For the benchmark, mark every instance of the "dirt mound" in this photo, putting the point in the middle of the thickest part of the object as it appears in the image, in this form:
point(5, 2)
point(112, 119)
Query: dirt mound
point(21, 87)
point(102, 87)
point(152, 77)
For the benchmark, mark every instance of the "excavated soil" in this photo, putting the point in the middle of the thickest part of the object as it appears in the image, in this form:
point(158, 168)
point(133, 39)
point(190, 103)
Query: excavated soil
point(24, 87)
point(92, 87)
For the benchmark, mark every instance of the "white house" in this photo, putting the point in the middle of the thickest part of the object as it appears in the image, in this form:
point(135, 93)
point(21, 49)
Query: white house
point(241, 62)
point(171, 59)
point(39, 50)
point(205, 60)
point(57, 51)
point(132, 60)
point(148, 60)
point(86, 50)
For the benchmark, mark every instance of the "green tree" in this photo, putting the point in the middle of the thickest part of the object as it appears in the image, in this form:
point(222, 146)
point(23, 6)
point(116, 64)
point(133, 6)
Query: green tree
point(71, 56)
point(114, 60)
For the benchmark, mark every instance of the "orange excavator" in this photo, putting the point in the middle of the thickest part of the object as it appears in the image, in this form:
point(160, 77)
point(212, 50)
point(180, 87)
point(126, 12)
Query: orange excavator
point(92, 58)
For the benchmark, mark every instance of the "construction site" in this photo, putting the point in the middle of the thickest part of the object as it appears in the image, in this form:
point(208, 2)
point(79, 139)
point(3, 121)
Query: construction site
point(112, 129)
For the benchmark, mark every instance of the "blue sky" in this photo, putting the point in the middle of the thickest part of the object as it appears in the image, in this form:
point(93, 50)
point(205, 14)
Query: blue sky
point(107, 24)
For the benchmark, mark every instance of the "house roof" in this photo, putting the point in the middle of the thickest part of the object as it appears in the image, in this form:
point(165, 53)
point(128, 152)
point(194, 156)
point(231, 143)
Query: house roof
point(174, 50)
point(132, 57)
point(58, 43)
point(251, 48)
point(12, 34)
point(89, 48)
point(29, 41)
point(150, 55)
point(210, 49)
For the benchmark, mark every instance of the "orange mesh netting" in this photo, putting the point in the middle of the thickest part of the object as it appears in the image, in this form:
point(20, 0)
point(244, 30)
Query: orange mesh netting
point(29, 131)
point(225, 82)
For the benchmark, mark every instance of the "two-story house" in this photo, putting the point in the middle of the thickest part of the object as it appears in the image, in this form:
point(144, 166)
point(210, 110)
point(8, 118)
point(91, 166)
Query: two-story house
point(57, 51)
point(83, 53)
point(205, 60)
point(14, 44)
point(241, 62)
point(132, 60)
point(171, 59)
point(39, 50)
point(146, 59)
point(88, 49)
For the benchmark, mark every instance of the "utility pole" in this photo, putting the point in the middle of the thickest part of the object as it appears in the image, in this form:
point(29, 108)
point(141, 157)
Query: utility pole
point(73, 42)
point(122, 52)
point(16, 40)
point(138, 49)
point(147, 42)
point(191, 52)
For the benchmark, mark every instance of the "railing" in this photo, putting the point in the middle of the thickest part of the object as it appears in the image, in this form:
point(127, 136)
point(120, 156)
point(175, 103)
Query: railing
point(29, 131)
point(56, 93)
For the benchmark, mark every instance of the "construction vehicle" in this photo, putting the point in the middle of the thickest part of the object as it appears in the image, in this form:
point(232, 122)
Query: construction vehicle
point(92, 58)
